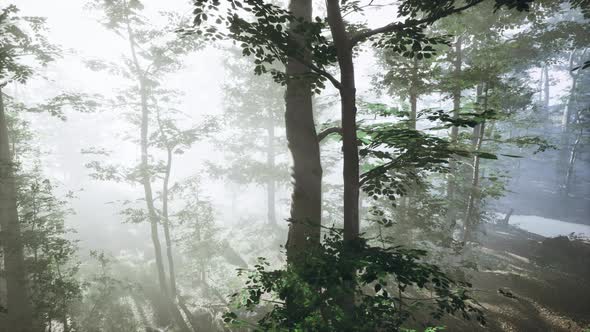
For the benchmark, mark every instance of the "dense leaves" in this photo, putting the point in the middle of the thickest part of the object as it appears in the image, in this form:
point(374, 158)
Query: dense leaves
point(391, 283)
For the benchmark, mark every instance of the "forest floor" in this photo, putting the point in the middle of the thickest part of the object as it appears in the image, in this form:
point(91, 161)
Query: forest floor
point(526, 282)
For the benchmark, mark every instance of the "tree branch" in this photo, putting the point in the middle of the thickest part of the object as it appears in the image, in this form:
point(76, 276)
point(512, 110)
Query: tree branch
point(324, 73)
point(311, 66)
point(398, 26)
point(332, 130)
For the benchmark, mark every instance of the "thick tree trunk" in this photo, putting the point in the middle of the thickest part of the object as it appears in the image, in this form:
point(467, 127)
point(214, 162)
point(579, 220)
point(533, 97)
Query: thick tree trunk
point(306, 204)
point(19, 309)
point(270, 163)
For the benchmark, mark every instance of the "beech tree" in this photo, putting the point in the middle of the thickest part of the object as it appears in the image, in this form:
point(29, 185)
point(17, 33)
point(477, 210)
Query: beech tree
point(265, 36)
point(152, 53)
point(256, 152)
point(16, 42)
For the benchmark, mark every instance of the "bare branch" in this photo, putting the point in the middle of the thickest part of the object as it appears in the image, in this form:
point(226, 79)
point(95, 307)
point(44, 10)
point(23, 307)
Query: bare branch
point(332, 130)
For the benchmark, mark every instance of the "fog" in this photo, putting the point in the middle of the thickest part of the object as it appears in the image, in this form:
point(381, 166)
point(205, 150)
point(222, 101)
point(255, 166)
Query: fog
point(173, 161)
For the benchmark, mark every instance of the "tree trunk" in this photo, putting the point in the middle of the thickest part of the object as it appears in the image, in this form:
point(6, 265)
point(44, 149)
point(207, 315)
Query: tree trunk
point(572, 163)
point(147, 185)
point(343, 46)
point(565, 120)
point(456, 94)
point(540, 87)
point(546, 88)
point(19, 308)
point(406, 201)
point(166, 224)
point(306, 204)
point(270, 163)
point(165, 214)
point(350, 208)
point(144, 166)
point(475, 191)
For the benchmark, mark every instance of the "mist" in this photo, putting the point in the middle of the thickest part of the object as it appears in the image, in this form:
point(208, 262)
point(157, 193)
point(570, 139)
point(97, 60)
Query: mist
point(294, 166)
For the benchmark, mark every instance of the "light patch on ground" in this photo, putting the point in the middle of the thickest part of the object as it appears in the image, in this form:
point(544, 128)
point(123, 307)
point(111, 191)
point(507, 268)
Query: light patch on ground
point(548, 227)
point(520, 258)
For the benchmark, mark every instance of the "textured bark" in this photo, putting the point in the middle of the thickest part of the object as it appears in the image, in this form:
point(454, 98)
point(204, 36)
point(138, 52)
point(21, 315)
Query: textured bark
point(343, 45)
point(306, 204)
point(19, 309)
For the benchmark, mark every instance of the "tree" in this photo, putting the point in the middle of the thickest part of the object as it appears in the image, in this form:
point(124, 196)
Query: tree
point(18, 37)
point(152, 52)
point(256, 148)
point(303, 141)
point(266, 38)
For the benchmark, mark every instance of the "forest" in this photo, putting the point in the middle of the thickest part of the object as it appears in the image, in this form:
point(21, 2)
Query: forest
point(294, 165)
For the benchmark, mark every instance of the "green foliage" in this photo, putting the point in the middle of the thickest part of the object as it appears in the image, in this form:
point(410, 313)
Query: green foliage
point(104, 306)
point(19, 36)
point(391, 285)
point(53, 262)
point(398, 155)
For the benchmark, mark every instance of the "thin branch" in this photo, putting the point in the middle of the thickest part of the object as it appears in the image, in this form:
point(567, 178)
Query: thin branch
point(332, 130)
point(324, 73)
point(310, 65)
point(397, 26)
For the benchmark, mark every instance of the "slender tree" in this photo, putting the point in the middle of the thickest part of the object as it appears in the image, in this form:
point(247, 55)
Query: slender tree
point(152, 52)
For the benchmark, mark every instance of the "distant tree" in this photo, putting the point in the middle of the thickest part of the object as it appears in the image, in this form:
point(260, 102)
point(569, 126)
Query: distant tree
point(153, 52)
point(254, 111)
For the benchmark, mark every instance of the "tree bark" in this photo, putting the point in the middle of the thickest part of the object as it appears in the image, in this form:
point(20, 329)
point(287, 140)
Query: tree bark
point(456, 94)
point(474, 193)
point(306, 204)
point(147, 185)
point(270, 163)
point(19, 308)
point(343, 45)
point(166, 225)
point(546, 88)
point(144, 165)
point(165, 214)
